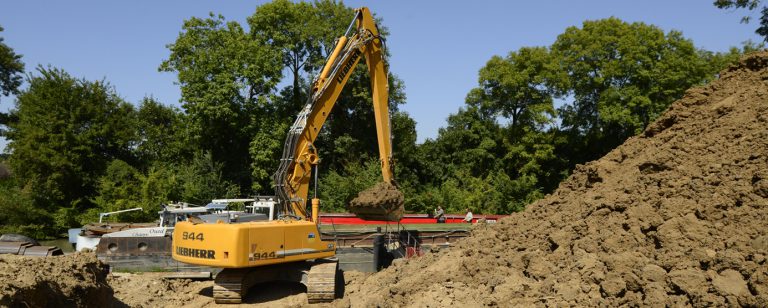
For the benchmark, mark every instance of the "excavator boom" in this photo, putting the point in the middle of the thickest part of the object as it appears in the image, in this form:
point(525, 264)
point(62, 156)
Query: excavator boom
point(299, 154)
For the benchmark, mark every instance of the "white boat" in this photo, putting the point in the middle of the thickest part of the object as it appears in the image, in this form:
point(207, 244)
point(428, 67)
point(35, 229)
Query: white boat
point(89, 236)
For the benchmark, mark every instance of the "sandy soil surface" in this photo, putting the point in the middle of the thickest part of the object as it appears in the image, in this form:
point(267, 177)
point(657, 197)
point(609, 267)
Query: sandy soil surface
point(674, 217)
point(151, 290)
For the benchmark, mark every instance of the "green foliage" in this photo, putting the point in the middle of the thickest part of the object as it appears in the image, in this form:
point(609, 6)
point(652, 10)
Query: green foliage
point(717, 61)
point(161, 185)
point(479, 164)
point(162, 134)
point(515, 88)
point(226, 79)
point(726, 4)
point(120, 189)
point(406, 160)
point(11, 69)
point(67, 131)
point(124, 187)
point(18, 214)
point(620, 77)
point(264, 149)
point(208, 57)
point(340, 187)
point(294, 28)
point(203, 180)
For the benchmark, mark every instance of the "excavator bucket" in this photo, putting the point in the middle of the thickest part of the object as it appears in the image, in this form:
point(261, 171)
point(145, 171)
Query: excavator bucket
point(383, 201)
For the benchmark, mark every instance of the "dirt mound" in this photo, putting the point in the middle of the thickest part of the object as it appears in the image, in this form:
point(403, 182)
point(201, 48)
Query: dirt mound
point(675, 216)
point(383, 201)
point(77, 280)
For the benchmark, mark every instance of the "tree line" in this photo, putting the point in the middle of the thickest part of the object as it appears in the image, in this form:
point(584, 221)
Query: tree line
point(76, 148)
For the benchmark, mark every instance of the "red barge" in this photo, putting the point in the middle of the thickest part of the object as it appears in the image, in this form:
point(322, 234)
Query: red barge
point(351, 219)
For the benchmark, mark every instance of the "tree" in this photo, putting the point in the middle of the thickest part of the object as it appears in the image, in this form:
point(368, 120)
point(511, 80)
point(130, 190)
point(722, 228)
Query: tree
point(339, 187)
point(67, 132)
point(264, 149)
point(406, 160)
point(163, 136)
point(210, 56)
point(226, 82)
point(332, 19)
point(18, 214)
point(518, 88)
point(471, 142)
point(11, 69)
point(750, 5)
point(203, 180)
point(120, 189)
point(620, 77)
point(291, 27)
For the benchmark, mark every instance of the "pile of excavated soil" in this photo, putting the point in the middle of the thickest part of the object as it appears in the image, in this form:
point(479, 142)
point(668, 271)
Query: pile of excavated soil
point(675, 216)
point(77, 280)
point(383, 201)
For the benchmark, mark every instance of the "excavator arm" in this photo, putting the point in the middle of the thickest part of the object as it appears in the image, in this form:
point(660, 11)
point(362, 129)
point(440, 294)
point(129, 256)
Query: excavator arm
point(300, 155)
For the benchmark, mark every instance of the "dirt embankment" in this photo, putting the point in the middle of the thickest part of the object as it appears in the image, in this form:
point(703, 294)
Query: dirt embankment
point(64, 281)
point(675, 216)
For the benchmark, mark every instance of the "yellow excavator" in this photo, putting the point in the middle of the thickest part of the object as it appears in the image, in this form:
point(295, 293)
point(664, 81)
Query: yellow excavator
point(288, 246)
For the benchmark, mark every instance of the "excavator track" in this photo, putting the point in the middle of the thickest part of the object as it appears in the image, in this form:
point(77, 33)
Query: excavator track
point(319, 276)
point(229, 285)
point(321, 282)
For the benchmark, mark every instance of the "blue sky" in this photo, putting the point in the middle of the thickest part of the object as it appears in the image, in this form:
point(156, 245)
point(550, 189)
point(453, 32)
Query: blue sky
point(437, 47)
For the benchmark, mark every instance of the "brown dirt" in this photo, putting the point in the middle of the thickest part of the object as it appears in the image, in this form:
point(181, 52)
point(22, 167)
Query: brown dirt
point(77, 280)
point(151, 290)
point(383, 201)
point(675, 216)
